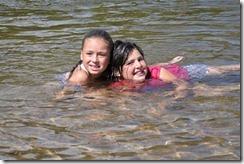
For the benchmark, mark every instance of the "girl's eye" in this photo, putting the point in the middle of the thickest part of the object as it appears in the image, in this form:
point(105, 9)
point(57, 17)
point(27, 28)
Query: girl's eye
point(103, 55)
point(129, 63)
point(140, 59)
point(89, 53)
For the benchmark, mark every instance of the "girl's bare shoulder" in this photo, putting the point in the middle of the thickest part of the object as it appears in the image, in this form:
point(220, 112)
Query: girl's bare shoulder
point(78, 76)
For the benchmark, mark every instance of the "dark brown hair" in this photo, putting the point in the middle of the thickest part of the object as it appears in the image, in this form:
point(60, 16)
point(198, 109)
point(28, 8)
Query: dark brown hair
point(98, 33)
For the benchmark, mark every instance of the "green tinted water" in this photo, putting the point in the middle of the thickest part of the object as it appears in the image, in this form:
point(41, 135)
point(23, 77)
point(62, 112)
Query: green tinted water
point(41, 39)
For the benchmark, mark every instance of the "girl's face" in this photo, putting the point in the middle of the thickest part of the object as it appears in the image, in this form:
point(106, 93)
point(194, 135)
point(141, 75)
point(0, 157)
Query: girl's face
point(95, 56)
point(135, 67)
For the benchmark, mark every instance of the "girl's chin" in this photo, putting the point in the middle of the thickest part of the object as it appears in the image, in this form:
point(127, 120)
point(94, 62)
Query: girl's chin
point(141, 79)
point(95, 72)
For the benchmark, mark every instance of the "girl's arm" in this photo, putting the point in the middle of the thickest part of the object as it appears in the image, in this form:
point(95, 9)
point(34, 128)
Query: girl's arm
point(167, 76)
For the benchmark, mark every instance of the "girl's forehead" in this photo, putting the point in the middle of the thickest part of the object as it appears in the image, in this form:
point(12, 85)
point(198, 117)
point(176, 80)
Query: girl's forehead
point(96, 39)
point(96, 42)
point(134, 53)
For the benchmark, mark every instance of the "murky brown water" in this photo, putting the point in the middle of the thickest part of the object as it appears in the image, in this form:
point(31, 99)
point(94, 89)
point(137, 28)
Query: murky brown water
point(41, 39)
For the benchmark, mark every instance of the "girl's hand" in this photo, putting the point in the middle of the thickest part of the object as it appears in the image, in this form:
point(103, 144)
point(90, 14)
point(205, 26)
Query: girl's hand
point(180, 84)
point(173, 61)
point(176, 59)
point(181, 88)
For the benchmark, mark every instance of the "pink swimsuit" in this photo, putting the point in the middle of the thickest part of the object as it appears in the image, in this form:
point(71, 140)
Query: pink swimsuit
point(175, 69)
point(152, 81)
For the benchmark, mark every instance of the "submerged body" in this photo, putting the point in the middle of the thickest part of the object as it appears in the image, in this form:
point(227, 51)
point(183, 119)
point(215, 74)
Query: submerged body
point(128, 64)
point(191, 73)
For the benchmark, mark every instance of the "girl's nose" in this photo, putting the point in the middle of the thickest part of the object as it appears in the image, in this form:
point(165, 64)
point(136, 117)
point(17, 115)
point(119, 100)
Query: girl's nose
point(94, 58)
point(138, 64)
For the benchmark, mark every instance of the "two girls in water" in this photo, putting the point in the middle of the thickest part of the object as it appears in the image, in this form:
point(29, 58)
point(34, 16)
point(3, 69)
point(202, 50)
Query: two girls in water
point(102, 59)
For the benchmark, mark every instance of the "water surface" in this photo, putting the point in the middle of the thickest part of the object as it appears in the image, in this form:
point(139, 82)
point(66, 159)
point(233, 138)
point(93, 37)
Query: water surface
point(42, 39)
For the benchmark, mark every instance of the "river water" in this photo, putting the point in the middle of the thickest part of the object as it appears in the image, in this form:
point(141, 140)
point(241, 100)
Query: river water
point(41, 39)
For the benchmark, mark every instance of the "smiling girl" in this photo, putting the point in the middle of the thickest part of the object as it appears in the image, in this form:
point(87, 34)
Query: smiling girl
point(130, 69)
point(95, 58)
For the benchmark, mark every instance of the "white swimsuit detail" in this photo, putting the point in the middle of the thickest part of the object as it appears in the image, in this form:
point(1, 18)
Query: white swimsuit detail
point(83, 67)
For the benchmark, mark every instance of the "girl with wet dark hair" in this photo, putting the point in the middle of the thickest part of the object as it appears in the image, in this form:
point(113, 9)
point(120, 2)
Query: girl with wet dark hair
point(96, 55)
point(129, 65)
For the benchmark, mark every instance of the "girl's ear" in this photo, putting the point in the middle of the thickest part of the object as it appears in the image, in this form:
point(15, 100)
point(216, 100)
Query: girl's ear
point(81, 56)
point(116, 72)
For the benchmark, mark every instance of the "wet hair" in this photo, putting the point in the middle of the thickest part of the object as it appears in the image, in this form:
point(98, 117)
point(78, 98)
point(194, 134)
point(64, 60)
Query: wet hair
point(98, 33)
point(121, 52)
